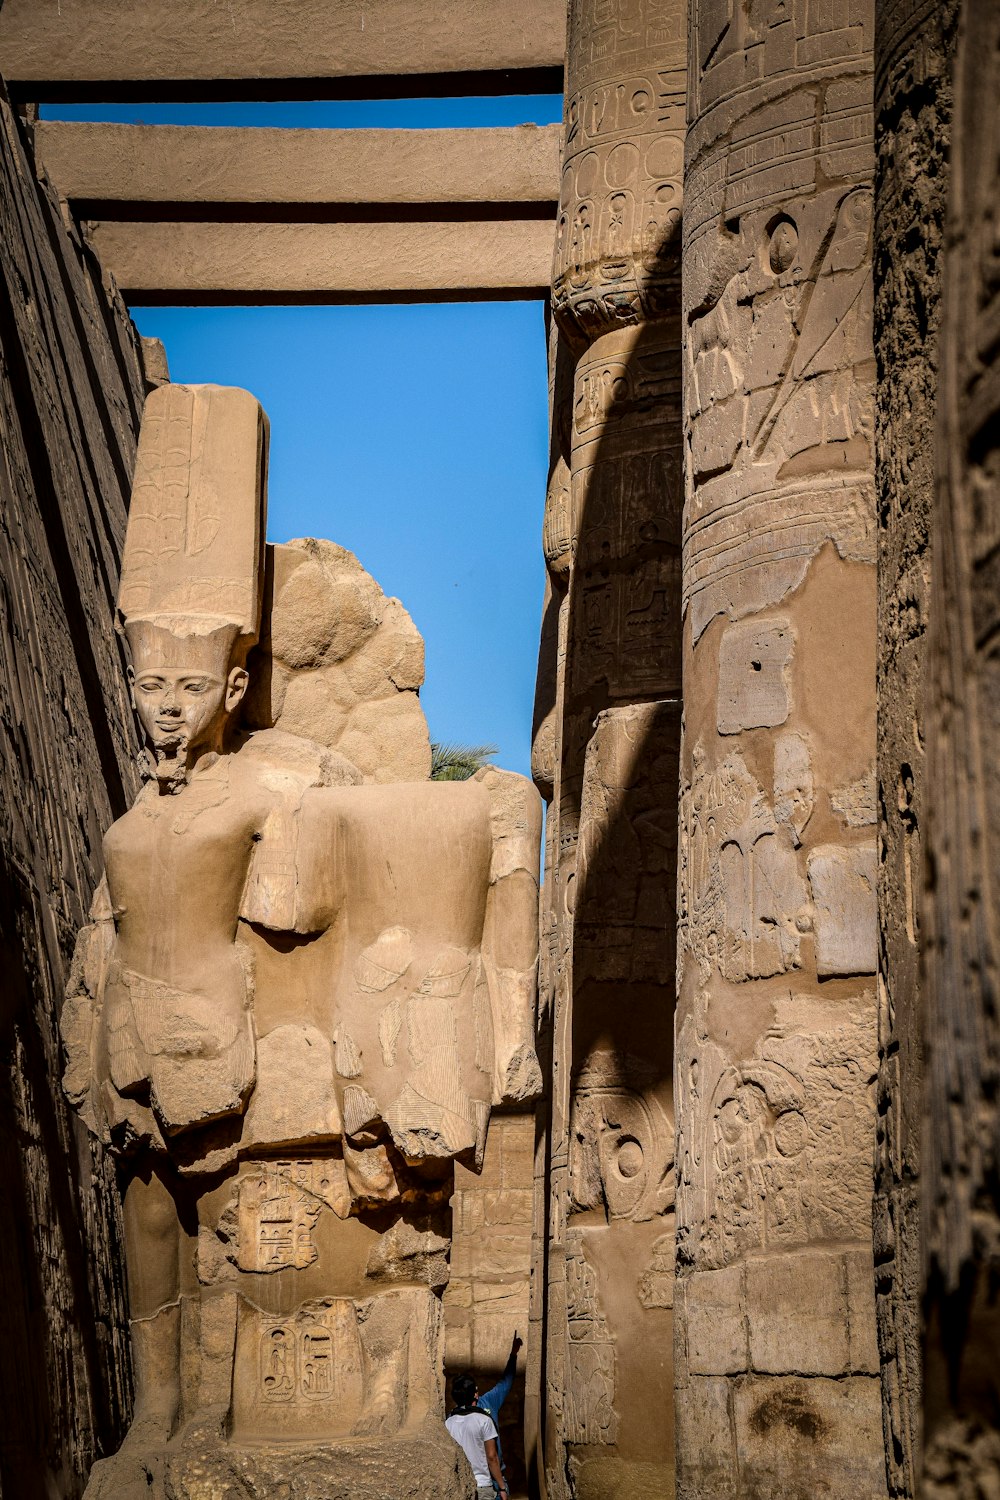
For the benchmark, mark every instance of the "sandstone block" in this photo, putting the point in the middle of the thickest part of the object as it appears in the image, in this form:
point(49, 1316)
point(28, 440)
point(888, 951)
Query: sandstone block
point(796, 1310)
point(716, 1322)
point(706, 1440)
point(802, 1436)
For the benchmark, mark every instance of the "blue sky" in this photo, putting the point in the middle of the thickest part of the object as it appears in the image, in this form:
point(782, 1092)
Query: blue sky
point(406, 114)
point(414, 435)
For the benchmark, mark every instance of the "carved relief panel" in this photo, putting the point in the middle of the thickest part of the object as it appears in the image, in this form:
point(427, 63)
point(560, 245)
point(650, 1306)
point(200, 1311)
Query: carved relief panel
point(620, 205)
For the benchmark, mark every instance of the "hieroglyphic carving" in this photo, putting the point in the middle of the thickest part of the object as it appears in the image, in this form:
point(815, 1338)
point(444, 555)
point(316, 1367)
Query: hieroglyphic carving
point(621, 1147)
point(279, 1204)
point(301, 1361)
point(656, 1284)
point(780, 402)
point(71, 390)
point(620, 204)
point(774, 1148)
point(628, 846)
point(626, 489)
point(914, 50)
point(590, 1376)
point(741, 892)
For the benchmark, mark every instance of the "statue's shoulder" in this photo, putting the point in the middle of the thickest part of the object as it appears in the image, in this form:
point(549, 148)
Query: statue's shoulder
point(287, 765)
point(121, 830)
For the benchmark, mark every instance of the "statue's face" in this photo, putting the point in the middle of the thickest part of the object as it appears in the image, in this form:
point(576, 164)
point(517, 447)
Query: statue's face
point(183, 710)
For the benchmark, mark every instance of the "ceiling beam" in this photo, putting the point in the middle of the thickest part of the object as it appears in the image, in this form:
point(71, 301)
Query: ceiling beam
point(163, 50)
point(180, 171)
point(205, 263)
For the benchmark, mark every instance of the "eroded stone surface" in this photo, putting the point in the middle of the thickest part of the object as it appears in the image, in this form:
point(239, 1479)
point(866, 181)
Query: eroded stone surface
point(340, 664)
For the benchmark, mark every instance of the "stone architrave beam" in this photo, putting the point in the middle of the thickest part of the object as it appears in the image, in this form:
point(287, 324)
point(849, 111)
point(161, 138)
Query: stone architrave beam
point(129, 49)
point(188, 165)
point(356, 262)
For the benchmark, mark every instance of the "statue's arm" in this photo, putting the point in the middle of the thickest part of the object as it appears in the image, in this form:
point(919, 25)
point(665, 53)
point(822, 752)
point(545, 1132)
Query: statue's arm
point(510, 938)
point(82, 1006)
point(294, 879)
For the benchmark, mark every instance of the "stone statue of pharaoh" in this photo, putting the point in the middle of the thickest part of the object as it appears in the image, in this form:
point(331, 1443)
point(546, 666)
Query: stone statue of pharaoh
point(298, 996)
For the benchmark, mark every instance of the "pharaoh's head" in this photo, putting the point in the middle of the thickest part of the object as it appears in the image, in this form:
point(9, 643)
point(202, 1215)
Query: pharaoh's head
point(187, 678)
point(192, 570)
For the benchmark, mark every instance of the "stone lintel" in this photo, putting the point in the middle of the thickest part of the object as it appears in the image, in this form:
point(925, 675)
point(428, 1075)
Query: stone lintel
point(187, 166)
point(345, 262)
point(144, 49)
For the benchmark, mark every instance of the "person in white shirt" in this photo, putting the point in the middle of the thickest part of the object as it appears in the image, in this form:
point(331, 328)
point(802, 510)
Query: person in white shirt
point(475, 1433)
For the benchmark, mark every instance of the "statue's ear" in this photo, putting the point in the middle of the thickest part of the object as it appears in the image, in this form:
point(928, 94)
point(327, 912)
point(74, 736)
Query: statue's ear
point(130, 674)
point(236, 685)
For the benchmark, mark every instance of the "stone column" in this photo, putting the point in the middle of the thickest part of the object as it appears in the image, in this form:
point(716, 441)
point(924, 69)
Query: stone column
point(610, 743)
point(913, 45)
point(961, 1143)
point(777, 1365)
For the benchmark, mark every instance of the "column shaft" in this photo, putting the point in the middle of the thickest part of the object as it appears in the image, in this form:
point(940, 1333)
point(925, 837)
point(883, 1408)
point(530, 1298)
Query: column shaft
point(778, 1388)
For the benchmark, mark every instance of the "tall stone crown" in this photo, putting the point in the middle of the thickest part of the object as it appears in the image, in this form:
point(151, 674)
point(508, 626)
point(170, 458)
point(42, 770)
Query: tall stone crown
point(193, 560)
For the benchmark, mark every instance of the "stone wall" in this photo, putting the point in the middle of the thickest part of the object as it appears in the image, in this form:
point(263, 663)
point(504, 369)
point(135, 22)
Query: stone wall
point(914, 40)
point(777, 1363)
point(608, 725)
point(71, 390)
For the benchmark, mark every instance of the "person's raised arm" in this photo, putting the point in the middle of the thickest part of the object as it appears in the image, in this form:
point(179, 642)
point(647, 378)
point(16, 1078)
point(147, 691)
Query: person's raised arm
point(493, 1460)
point(495, 1397)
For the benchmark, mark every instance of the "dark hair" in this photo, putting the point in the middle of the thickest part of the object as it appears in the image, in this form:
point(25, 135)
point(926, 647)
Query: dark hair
point(463, 1389)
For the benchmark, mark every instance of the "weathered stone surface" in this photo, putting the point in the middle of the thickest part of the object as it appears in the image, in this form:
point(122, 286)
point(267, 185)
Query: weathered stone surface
point(340, 664)
point(71, 389)
point(753, 680)
point(789, 1432)
point(845, 922)
point(306, 1114)
point(205, 1465)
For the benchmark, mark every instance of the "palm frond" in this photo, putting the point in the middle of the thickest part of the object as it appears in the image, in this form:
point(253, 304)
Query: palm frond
point(459, 762)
